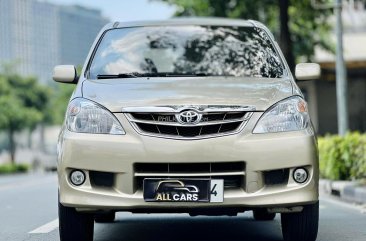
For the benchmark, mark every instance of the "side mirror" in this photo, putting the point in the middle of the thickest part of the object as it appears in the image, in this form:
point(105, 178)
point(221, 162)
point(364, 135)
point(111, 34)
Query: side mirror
point(65, 74)
point(307, 71)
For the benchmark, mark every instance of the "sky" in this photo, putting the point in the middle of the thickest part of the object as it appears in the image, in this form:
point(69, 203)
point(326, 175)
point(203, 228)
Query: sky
point(125, 10)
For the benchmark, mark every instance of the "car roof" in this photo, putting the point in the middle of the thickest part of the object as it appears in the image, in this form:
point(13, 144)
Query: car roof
point(189, 21)
point(186, 21)
point(215, 21)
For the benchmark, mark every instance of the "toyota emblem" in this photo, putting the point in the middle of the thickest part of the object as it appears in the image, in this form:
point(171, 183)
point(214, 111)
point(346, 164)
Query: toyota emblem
point(189, 117)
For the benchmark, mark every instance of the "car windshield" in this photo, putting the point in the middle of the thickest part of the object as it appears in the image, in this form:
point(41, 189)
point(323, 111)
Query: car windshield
point(186, 51)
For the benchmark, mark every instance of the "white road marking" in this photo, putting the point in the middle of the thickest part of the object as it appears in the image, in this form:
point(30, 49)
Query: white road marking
point(48, 227)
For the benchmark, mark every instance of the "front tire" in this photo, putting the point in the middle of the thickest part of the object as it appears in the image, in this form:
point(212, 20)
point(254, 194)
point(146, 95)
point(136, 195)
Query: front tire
point(75, 226)
point(302, 226)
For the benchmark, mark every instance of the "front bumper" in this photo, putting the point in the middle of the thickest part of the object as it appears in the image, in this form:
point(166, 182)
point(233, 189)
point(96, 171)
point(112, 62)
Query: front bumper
point(119, 154)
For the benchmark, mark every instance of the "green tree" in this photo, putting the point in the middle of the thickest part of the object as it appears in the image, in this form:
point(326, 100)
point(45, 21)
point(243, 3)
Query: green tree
point(22, 104)
point(298, 26)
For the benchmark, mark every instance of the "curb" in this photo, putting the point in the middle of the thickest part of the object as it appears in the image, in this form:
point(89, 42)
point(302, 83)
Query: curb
point(349, 191)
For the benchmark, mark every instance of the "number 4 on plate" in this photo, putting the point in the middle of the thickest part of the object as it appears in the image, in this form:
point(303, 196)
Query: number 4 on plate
point(217, 191)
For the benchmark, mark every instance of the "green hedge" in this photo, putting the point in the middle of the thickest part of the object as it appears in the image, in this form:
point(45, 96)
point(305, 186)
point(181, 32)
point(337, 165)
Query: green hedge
point(343, 158)
point(13, 168)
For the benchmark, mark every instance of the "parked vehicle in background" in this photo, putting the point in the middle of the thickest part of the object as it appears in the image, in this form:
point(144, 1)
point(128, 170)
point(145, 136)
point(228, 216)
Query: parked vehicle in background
point(198, 116)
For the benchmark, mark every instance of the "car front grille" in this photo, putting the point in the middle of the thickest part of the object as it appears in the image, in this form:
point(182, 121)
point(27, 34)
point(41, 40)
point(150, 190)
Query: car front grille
point(232, 173)
point(213, 121)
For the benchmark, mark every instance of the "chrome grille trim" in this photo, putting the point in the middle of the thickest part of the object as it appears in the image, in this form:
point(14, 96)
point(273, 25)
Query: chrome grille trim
point(205, 123)
point(216, 121)
point(179, 108)
point(208, 174)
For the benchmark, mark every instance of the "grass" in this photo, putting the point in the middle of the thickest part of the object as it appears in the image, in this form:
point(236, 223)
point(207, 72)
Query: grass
point(13, 168)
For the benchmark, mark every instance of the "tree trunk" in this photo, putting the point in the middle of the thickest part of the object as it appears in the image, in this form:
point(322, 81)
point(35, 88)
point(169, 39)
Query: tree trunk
point(12, 146)
point(42, 137)
point(29, 138)
point(285, 36)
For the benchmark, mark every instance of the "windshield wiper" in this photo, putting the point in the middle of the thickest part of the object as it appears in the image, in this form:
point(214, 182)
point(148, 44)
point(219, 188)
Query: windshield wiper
point(185, 74)
point(160, 74)
point(117, 76)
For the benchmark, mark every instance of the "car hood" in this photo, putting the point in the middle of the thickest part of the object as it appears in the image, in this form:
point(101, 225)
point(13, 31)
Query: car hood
point(116, 94)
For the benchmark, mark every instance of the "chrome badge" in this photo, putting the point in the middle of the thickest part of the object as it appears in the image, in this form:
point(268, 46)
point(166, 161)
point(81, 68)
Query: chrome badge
point(188, 117)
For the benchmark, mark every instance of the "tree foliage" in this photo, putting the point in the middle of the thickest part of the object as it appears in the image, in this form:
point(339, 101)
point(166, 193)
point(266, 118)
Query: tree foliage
point(307, 26)
point(22, 104)
point(25, 103)
point(343, 157)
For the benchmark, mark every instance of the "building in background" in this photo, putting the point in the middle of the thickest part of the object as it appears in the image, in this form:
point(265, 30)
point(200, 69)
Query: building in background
point(38, 35)
point(78, 29)
point(321, 94)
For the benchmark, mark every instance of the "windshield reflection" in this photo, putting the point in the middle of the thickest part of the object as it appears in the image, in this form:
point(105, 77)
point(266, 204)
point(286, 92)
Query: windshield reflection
point(206, 50)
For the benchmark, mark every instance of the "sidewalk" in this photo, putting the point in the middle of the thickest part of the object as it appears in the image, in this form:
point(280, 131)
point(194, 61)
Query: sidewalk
point(349, 191)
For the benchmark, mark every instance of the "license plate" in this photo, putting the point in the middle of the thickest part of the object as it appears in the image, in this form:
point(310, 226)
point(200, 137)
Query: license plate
point(183, 190)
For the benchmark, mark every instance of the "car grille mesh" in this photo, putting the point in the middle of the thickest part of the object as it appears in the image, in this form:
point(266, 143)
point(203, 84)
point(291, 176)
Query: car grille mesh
point(211, 124)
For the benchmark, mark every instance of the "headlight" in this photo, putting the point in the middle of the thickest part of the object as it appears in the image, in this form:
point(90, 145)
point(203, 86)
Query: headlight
point(85, 116)
point(287, 115)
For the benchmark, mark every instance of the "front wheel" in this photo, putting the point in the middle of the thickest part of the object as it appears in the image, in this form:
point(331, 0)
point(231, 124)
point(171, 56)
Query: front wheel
point(302, 226)
point(75, 226)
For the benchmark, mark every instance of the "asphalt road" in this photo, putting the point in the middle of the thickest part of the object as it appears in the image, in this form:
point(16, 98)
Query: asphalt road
point(28, 211)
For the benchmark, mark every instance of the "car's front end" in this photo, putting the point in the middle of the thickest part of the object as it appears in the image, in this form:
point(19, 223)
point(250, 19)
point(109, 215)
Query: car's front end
point(257, 168)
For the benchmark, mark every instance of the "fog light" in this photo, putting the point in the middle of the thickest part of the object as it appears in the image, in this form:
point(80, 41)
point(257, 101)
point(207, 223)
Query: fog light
point(300, 175)
point(77, 177)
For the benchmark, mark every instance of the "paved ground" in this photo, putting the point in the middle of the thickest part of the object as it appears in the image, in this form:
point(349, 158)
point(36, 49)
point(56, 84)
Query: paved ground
point(28, 211)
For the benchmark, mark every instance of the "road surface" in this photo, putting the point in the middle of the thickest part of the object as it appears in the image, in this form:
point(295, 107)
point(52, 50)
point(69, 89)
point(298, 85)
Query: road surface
point(28, 211)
